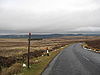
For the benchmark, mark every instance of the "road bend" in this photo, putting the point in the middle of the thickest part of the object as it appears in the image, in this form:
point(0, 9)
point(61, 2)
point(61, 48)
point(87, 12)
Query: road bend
point(74, 60)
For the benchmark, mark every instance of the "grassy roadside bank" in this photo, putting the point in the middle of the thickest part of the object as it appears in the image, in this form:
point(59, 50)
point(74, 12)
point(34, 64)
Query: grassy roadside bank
point(36, 69)
point(92, 46)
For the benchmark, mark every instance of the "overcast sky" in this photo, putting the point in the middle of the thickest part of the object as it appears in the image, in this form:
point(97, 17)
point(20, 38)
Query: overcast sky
point(49, 16)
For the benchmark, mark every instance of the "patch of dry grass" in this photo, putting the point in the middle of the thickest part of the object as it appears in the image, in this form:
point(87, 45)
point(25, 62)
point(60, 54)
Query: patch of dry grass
point(94, 44)
point(14, 69)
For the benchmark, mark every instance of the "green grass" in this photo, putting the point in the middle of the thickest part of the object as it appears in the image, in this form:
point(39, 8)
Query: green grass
point(36, 69)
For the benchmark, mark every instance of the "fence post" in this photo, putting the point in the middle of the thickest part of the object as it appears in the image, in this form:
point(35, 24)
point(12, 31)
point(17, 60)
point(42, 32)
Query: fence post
point(28, 55)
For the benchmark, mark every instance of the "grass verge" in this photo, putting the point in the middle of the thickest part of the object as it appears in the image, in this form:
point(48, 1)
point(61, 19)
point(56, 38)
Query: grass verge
point(36, 69)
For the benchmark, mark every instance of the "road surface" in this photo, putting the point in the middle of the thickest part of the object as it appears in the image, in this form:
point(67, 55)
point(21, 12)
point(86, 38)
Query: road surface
point(74, 60)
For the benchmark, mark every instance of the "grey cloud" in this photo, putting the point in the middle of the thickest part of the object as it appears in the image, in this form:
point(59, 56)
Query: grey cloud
point(35, 17)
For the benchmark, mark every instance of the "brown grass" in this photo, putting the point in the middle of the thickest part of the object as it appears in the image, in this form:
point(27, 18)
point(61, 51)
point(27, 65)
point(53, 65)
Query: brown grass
point(14, 69)
point(14, 47)
point(18, 47)
point(94, 44)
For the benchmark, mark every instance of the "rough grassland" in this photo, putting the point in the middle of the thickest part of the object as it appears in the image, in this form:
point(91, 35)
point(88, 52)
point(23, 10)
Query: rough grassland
point(36, 69)
point(12, 48)
point(94, 44)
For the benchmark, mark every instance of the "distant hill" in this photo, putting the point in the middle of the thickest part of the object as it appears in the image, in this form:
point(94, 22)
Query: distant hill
point(46, 35)
point(33, 36)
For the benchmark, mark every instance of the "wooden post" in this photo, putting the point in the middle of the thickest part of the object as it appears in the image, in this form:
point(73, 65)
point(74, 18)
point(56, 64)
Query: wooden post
point(28, 55)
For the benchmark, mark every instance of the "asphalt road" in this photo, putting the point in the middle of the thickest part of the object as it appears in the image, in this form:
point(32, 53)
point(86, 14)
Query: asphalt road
point(74, 60)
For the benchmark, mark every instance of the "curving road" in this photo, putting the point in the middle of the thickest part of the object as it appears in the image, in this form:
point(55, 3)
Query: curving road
point(74, 60)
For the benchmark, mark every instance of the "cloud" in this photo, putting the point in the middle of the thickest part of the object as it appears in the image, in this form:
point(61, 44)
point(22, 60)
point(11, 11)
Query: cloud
point(48, 15)
point(93, 29)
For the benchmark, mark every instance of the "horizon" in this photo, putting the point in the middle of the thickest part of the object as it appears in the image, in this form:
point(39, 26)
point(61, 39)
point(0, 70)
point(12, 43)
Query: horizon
point(49, 33)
